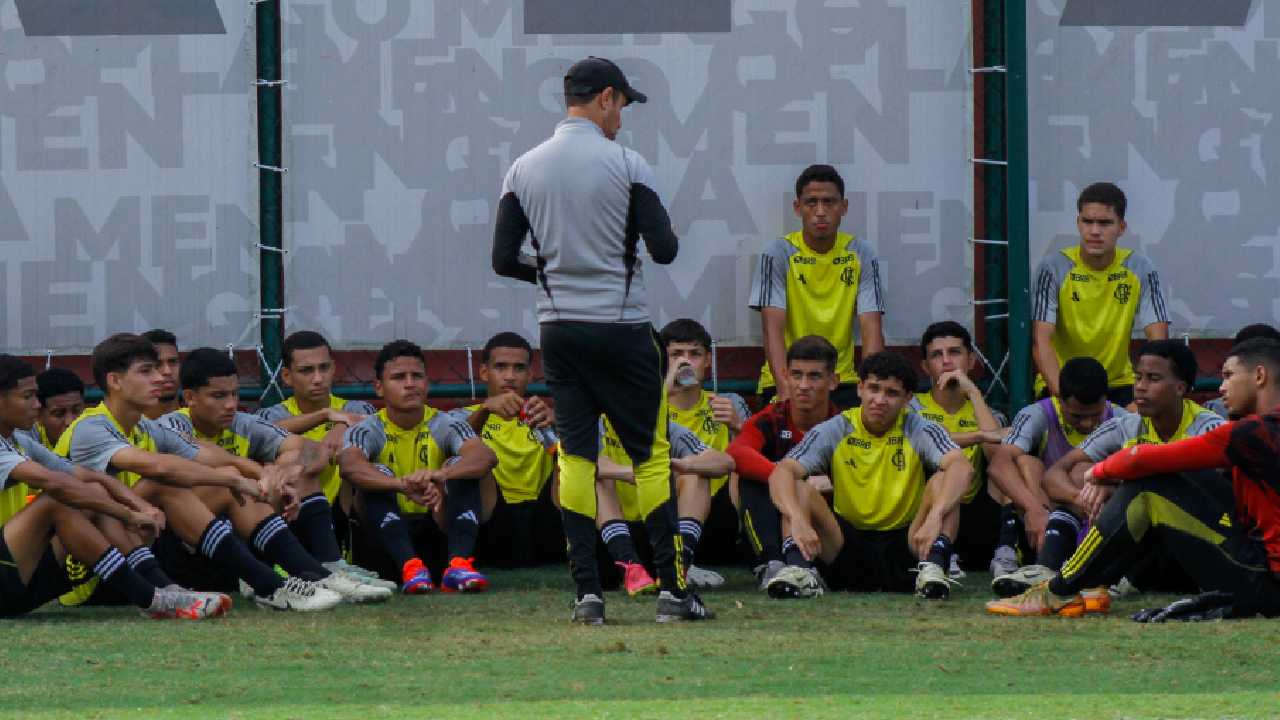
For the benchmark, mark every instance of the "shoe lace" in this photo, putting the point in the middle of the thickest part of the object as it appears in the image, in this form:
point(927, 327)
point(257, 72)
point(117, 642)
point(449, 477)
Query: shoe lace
point(941, 576)
point(301, 588)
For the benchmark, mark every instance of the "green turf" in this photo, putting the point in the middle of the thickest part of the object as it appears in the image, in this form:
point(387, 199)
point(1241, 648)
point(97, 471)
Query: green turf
point(512, 653)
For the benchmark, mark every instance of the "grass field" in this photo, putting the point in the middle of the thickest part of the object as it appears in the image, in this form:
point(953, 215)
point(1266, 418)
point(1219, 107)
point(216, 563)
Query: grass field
point(512, 653)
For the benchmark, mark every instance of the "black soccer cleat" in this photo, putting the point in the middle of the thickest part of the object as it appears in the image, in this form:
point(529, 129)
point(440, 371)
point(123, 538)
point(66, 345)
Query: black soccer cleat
point(588, 610)
point(674, 609)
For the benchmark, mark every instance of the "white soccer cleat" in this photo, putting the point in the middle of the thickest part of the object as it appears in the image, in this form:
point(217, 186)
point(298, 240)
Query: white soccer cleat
point(353, 589)
point(932, 582)
point(1004, 561)
point(365, 575)
point(794, 581)
point(703, 578)
point(300, 596)
point(1021, 580)
point(169, 604)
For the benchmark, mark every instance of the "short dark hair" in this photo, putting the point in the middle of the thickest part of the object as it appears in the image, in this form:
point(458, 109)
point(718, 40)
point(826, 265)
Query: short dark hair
point(1084, 379)
point(1256, 330)
point(888, 364)
point(819, 173)
point(57, 381)
point(1103, 193)
point(505, 340)
point(159, 336)
point(813, 347)
point(1180, 358)
point(685, 330)
point(1258, 351)
point(203, 364)
point(13, 369)
point(393, 350)
point(302, 340)
point(118, 353)
point(945, 328)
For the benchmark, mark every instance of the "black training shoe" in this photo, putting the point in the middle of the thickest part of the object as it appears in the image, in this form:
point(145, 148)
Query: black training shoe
point(674, 609)
point(588, 610)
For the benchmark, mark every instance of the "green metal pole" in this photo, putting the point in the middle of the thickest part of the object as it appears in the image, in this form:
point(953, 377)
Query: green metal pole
point(995, 257)
point(1019, 262)
point(270, 205)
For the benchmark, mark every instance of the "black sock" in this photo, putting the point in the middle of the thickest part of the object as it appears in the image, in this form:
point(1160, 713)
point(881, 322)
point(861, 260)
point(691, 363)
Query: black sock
point(462, 507)
point(690, 534)
point(617, 537)
point(383, 521)
point(146, 565)
point(761, 521)
point(275, 542)
point(314, 528)
point(220, 544)
point(1010, 526)
point(115, 571)
point(580, 531)
point(940, 552)
point(668, 557)
point(791, 553)
point(1060, 535)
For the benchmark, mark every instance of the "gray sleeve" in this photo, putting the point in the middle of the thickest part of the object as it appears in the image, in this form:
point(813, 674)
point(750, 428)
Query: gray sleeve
point(169, 441)
point(930, 440)
point(1151, 306)
point(178, 422)
point(41, 454)
point(9, 459)
point(264, 438)
point(359, 407)
point(450, 432)
point(1001, 420)
point(1028, 426)
point(275, 413)
point(1045, 287)
point(1107, 438)
point(94, 442)
point(1218, 406)
point(367, 436)
point(819, 444)
point(769, 283)
point(870, 289)
point(683, 442)
point(1203, 423)
point(913, 405)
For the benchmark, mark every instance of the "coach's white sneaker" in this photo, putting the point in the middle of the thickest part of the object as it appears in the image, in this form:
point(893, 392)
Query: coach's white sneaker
point(353, 590)
point(704, 578)
point(301, 596)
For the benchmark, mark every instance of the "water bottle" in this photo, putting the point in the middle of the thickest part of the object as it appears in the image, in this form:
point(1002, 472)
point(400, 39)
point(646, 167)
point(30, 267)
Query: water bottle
point(545, 435)
point(686, 376)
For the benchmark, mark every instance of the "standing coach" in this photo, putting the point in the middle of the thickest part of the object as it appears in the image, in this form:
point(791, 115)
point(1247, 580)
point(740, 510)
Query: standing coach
point(585, 202)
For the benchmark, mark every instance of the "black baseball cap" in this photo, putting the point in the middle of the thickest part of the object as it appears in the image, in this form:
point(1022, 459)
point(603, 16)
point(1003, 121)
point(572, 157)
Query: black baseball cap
point(590, 76)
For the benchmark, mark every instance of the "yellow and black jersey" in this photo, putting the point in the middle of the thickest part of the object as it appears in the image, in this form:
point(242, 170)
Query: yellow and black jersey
point(524, 463)
point(330, 482)
point(92, 439)
point(401, 451)
point(1127, 431)
point(700, 421)
point(248, 436)
point(964, 420)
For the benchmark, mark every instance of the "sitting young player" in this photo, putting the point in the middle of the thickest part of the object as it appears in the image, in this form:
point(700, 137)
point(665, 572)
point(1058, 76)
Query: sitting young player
point(618, 499)
point(1165, 371)
point(211, 392)
point(411, 459)
point(1042, 433)
point(31, 571)
point(715, 419)
point(1224, 536)
point(765, 440)
point(313, 411)
point(890, 515)
point(1248, 332)
point(955, 402)
point(166, 344)
point(61, 396)
point(169, 471)
point(525, 526)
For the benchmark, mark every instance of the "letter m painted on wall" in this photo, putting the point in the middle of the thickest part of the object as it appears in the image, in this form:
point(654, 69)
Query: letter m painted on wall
point(120, 17)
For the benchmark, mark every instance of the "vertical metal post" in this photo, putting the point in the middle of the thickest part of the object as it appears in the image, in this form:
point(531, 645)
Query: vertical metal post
point(1018, 261)
point(270, 183)
point(995, 257)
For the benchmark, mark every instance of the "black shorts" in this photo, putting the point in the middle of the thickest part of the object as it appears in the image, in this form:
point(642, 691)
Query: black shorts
point(522, 534)
point(47, 583)
point(871, 561)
